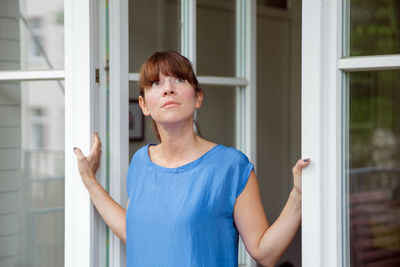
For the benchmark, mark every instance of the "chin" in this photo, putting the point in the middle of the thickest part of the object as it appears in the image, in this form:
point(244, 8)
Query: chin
point(173, 119)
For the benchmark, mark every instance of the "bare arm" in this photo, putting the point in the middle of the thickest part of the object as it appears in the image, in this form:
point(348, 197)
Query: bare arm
point(278, 237)
point(111, 212)
point(265, 243)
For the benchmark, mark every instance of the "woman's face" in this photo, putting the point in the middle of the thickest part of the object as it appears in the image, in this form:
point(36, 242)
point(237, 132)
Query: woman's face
point(170, 100)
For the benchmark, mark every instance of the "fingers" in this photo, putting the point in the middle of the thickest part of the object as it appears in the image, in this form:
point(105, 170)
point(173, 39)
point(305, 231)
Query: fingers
point(79, 154)
point(96, 141)
point(95, 146)
point(301, 163)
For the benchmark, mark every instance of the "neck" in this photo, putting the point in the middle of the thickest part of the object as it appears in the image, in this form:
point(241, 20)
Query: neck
point(178, 139)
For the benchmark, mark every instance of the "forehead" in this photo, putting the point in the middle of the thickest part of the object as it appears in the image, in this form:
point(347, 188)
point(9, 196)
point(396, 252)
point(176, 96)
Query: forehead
point(159, 67)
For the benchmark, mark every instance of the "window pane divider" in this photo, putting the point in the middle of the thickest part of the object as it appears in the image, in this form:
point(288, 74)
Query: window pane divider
point(222, 80)
point(32, 75)
point(365, 63)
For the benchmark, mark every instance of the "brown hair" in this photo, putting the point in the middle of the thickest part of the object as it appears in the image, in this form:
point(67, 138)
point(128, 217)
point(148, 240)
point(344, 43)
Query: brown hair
point(169, 63)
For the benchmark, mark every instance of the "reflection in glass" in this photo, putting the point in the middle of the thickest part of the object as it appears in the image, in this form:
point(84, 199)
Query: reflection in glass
point(154, 25)
point(374, 185)
point(374, 27)
point(32, 35)
point(31, 174)
point(216, 116)
point(216, 27)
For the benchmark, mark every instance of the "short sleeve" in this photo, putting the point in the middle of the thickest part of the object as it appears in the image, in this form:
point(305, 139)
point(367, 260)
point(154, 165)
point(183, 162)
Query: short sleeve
point(244, 168)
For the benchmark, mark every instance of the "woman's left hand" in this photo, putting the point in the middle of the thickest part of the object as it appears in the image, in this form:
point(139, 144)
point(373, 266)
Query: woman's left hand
point(297, 171)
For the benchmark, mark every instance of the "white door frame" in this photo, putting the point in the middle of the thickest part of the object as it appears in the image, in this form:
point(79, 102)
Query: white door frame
point(119, 111)
point(324, 117)
point(80, 123)
point(85, 38)
point(321, 134)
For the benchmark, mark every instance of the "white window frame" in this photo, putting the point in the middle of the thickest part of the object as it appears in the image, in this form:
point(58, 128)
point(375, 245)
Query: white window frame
point(85, 51)
point(81, 232)
point(82, 238)
point(39, 75)
point(324, 72)
point(119, 111)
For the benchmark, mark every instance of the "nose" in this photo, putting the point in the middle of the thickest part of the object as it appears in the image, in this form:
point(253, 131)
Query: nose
point(169, 88)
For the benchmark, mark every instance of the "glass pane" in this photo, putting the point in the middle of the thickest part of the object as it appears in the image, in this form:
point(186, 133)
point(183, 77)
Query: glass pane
point(374, 174)
point(32, 173)
point(374, 27)
point(216, 117)
point(282, 4)
point(154, 25)
point(31, 34)
point(216, 27)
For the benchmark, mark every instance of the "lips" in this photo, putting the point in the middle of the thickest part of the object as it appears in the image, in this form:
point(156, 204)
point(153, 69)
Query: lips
point(170, 103)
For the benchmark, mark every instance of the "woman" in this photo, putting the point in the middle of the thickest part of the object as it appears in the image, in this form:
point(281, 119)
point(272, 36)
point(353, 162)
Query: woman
point(190, 198)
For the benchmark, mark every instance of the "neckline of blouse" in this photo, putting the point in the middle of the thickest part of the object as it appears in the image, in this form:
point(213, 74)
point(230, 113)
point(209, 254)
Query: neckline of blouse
point(181, 168)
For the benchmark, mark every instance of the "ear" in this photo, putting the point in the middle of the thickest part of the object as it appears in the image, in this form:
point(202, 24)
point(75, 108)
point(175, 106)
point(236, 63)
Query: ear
point(142, 104)
point(199, 99)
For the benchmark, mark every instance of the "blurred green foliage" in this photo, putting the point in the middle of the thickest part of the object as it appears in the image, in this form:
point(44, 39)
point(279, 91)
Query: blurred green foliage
point(374, 95)
point(374, 110)
point(374, 27)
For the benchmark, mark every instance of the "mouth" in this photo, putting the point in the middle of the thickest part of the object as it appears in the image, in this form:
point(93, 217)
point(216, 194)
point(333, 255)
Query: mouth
point(170, 104)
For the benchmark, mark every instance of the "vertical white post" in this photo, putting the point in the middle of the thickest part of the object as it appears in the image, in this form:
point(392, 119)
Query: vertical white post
point(188, 30)
point(119, 110)
point(79, 125)
point(189, 36)
point(246, 67)
point(322, 139)
point(311, 136)
point(251, 76)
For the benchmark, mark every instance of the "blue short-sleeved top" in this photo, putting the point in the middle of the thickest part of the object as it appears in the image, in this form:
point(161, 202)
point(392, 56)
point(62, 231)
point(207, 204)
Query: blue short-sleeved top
point(184, 216)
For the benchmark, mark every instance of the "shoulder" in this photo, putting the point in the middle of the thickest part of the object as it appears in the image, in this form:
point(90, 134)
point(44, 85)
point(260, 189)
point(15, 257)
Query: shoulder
point(139, 154)
point(233, 154)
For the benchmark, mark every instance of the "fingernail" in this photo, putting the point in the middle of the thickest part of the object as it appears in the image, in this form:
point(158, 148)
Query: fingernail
point(307, 160)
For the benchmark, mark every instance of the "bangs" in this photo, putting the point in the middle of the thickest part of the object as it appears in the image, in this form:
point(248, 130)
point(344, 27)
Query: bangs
point(168, 63)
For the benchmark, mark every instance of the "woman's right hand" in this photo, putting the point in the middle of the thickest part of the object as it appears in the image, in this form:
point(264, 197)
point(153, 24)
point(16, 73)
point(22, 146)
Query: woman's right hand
point(89, 165)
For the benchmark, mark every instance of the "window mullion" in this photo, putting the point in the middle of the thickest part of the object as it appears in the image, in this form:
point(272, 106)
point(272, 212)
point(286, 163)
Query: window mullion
point(34, 75)
point(246, 23)
point(188, 31)
point(365, 63)
point(80, 102)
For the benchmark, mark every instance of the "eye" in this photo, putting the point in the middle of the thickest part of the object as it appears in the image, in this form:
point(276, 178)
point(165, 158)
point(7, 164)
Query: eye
point(155, 83)
point(180, 80)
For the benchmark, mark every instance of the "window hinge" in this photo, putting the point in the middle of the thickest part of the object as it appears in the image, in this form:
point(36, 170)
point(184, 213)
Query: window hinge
point(97, 76)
